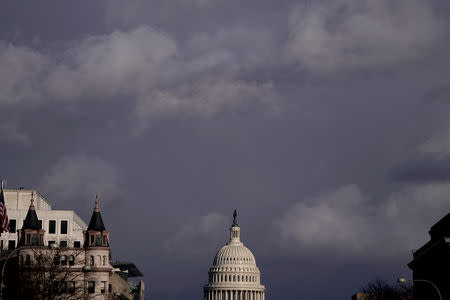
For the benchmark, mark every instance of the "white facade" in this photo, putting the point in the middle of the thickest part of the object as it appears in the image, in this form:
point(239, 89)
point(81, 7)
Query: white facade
point(234, 274)
point(63, 227)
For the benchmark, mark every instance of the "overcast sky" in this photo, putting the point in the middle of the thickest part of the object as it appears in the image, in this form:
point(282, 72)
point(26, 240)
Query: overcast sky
point(325, 123)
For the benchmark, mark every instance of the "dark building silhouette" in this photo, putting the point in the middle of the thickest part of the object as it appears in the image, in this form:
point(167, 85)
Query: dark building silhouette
point(432, 263)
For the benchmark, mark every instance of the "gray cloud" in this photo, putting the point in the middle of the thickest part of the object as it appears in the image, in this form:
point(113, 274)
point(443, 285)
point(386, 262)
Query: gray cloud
point(351, 34)
point(9, 131)
point(115, 64)
point(344, 222)
point(80, 177)
point(148, 66)
point(20, 73)
point(429, 163)
point(196, 235)
point(422, 169)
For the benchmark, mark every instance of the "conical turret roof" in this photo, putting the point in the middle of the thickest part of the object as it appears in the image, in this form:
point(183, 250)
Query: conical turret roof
point(31, 220)
point(96, 223)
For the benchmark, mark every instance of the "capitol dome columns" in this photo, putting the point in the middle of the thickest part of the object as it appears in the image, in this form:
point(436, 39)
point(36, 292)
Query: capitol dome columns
point(234, 295)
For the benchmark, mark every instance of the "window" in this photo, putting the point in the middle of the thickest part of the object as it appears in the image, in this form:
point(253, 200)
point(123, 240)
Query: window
point(28, 238)
point(92, 260)
point(71, 260)
point(104, 261)
point(21, 259)
point(64, 260)
point(103, 287)
point(104, 241)
point(28, 260)
point(77, 244)
point(98, 240)
point(11, 245)
point(34, 240)
point(50, 243)
point(12, 226)
point(63, 244)
point(63, 227)
point(52, 227)
point(92, 240)
point(91, 287)
point(71, 287)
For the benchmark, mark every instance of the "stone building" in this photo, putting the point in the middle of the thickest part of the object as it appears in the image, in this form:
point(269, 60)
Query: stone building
point(62, 227)
point(84, 272)
point(432, 263)
point(234, 274)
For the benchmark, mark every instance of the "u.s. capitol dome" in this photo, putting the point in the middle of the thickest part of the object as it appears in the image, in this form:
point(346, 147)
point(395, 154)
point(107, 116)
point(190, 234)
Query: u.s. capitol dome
point(234, 274)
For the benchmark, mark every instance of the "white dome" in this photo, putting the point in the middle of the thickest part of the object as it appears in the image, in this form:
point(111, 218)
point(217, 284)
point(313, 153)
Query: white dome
point(234, 254)
point(234, 271)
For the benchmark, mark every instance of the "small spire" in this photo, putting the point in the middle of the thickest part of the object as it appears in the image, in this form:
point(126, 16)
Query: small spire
point(32, 202)
point(96, 209)
point(235, 224)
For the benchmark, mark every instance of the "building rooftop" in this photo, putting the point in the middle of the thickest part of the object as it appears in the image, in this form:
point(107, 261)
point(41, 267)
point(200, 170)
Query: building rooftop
point(128, 267)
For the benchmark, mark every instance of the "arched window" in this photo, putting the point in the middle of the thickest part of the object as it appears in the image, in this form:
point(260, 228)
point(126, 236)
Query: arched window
point(234, 277)
point(239, 277)
point(229, 277)
point(92, 260)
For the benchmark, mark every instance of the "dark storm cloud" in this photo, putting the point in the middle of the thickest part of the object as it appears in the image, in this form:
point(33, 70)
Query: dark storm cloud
point(177, 112)
point(422, 169)
point(438, 94)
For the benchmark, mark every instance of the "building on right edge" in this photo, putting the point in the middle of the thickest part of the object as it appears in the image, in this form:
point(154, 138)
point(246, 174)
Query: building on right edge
point(431, 264)
point(234, 274)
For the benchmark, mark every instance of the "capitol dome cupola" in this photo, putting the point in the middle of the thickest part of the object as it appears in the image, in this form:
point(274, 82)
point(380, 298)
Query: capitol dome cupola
point(235, 231)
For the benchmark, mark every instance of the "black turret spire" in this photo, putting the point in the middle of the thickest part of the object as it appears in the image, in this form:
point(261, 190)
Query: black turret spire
point(31, 220)
point(96, 222)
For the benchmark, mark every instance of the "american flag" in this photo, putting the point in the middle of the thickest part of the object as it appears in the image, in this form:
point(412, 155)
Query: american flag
point(4, 222)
